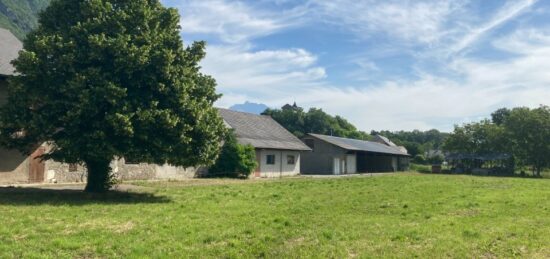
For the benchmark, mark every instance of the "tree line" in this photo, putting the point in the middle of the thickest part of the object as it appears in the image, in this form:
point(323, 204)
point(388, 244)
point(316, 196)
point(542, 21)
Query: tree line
point(315, 120)
point(422, 145)
point(521, 132)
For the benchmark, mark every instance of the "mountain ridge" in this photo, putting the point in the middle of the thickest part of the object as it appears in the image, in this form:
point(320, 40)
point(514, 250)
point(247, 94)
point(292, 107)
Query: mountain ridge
point(21, 16)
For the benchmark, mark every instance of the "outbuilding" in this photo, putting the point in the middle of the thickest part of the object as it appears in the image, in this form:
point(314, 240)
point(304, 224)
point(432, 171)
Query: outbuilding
point(278, 152)
point(336, 155)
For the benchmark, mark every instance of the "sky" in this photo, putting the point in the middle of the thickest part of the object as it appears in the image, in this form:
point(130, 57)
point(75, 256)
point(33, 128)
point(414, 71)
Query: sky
point(383, 65)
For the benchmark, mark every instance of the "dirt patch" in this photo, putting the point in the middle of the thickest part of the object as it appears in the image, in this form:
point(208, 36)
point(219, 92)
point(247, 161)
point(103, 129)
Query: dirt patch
point(122, 228)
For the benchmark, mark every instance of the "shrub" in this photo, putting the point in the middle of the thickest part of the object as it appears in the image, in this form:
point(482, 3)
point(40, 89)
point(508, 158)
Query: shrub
point(235, 160)
point(419, 159)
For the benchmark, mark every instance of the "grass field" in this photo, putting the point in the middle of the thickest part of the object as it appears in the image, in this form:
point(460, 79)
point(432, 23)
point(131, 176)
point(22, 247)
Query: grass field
point(387, 216)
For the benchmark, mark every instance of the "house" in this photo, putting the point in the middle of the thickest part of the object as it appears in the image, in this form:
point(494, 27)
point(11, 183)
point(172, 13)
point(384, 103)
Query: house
point(336, 155)
point(18, 168)
point(278, 152)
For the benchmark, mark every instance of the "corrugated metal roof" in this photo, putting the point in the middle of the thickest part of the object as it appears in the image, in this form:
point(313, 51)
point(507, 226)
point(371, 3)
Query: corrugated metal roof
point(360, 145)
point(260, 131)
point(9, 50)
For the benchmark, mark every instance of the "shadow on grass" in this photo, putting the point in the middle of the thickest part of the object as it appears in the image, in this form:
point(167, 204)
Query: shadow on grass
point(37, 196)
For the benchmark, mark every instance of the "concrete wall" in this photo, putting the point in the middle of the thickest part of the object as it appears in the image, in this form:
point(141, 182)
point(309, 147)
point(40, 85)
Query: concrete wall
point(281, 167)
point(321, 159)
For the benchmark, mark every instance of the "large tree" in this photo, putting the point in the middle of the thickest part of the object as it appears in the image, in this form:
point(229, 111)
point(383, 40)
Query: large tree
point(482, 137)
point(529, 133)
point(103, 79)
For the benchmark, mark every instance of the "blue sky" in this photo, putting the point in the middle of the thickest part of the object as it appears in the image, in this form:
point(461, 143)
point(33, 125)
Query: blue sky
point(397, 65)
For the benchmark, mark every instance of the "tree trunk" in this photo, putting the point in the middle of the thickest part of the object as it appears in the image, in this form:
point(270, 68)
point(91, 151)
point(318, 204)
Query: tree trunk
point(99, 175)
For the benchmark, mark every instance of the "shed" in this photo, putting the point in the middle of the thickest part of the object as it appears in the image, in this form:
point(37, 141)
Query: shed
point(336, 155)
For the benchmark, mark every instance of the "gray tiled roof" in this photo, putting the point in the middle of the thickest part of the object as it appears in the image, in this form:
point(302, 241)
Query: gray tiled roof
point(360, 145)
point(386, 141)
point(260, 131)
point(9, 50)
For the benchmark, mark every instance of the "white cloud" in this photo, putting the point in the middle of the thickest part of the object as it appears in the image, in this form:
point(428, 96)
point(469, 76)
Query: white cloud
point(231, 21)
point(417, 21)
point(482, 87)
point(266, 73)
point(430, 31)
point(506, 13)
point(428, 102)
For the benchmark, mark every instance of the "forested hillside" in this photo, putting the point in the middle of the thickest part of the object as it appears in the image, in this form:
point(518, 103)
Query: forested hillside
point(20, 16)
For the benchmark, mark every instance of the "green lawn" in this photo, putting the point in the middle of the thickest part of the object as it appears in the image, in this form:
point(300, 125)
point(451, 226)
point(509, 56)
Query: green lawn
point(387, 216)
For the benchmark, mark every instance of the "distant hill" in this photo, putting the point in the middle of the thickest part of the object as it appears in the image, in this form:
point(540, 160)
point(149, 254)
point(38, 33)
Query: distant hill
point(249, 107)
point(21, 16)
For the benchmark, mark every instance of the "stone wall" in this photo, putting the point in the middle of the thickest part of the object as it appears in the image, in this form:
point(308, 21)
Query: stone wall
point(60, 173)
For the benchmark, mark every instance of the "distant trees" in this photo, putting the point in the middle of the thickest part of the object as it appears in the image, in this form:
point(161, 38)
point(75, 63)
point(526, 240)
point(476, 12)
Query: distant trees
point(295, 120)
point(521, 132)
point(477, 138)
point(235, 160)
point(416, 142)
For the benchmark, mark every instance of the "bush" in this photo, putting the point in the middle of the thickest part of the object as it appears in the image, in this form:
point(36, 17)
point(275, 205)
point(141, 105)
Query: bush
point(235, 160)
point(419, 159)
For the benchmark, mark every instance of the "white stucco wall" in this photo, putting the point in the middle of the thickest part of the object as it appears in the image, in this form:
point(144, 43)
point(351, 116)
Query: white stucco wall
point(281, 167)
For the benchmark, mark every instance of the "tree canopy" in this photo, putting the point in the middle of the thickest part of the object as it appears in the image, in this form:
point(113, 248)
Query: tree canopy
point(104, 79)
point(315, 120)
point(521, 132)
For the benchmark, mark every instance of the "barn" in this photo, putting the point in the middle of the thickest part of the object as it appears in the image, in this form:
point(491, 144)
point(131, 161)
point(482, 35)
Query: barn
point(336, 155)
point(278, 152)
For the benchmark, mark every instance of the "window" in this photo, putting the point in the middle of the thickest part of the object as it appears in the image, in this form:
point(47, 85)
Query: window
point(310, 143)
point(73, 167)
point(290, 160)
point(270, 159)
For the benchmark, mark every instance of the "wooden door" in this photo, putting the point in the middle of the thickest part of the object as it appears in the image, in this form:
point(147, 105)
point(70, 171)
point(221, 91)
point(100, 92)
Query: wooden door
point(37, 167)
